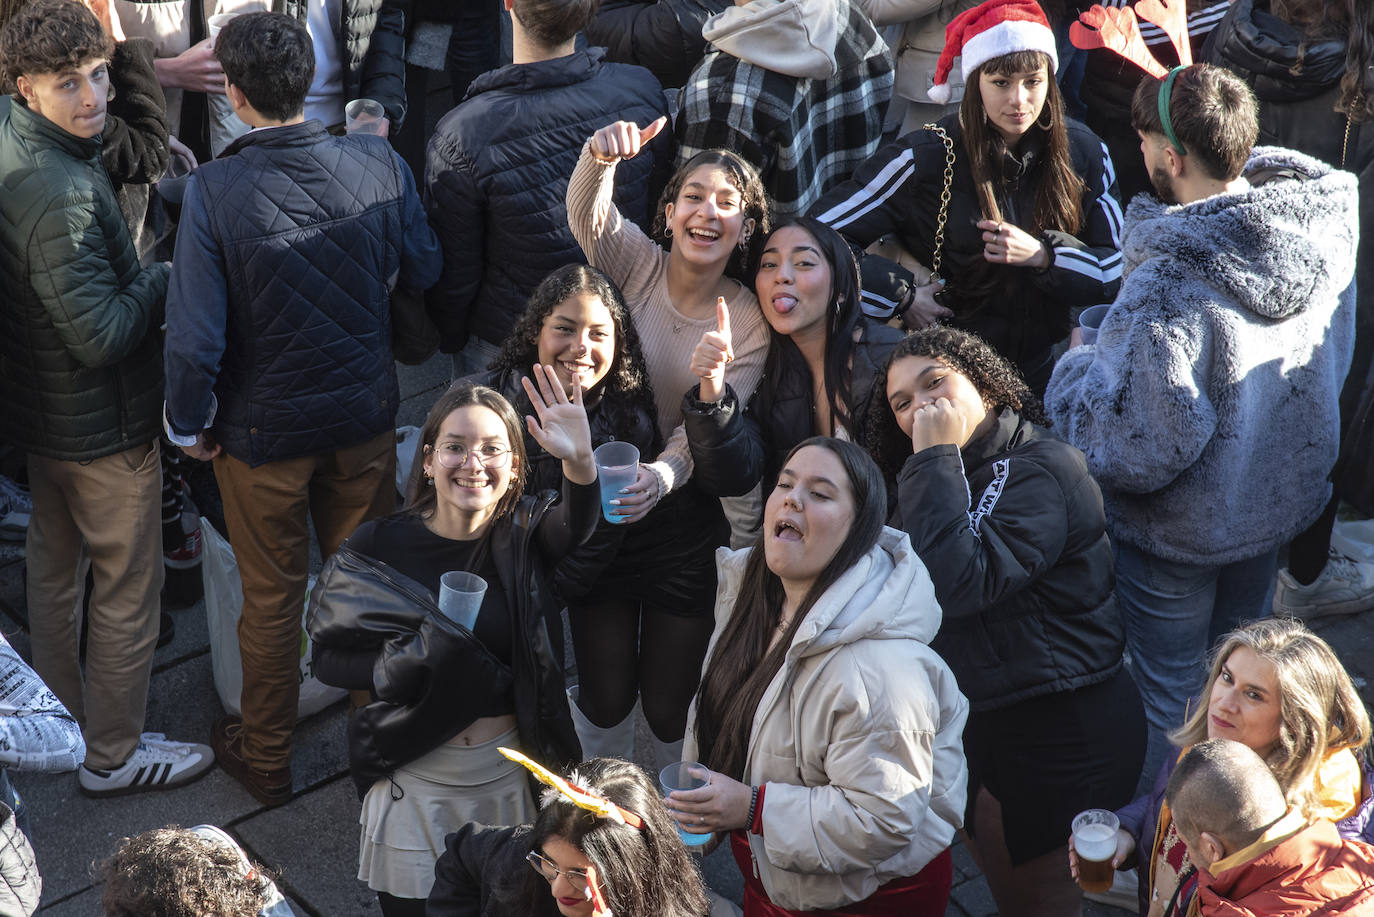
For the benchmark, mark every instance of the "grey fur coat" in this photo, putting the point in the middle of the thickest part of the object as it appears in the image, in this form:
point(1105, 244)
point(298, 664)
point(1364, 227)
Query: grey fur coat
point(1207, 408)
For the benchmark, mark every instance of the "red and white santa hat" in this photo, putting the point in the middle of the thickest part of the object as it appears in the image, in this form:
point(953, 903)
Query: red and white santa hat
point(990, 30)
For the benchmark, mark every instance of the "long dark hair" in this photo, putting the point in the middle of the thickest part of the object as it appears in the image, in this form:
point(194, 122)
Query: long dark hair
point(967, 354)
point(420, 498)
point(841, 318)
point(1059, 190)
point(753, 204)
point(1350, 22)
point(643, 873)
point(742, 665)
point(627, 381)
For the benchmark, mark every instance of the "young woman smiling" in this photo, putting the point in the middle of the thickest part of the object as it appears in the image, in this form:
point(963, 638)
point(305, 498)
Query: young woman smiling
point(1010, 525)
point(822, 359)
point(1031, 228)
point(423, 751)
point(712, 214)
point(831, 728)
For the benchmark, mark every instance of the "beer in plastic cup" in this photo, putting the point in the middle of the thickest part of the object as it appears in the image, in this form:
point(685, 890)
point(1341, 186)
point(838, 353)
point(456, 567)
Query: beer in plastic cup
point(1094, 840)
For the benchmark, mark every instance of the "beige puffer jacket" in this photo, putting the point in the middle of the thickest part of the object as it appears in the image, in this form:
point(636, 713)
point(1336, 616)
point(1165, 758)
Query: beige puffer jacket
point(858, 737)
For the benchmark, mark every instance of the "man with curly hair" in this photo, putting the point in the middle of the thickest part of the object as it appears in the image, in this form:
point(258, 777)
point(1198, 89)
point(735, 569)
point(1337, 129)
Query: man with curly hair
point(80, 393)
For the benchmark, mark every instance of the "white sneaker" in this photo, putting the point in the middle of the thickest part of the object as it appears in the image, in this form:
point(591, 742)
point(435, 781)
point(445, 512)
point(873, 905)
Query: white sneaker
point(156, 764)
point(1344, 587)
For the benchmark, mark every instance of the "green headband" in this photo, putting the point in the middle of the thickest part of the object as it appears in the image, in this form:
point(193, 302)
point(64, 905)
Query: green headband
point(1165, 93)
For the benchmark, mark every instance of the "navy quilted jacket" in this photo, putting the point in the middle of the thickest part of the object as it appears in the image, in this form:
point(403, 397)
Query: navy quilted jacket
point(496, 173)
point(279, 299)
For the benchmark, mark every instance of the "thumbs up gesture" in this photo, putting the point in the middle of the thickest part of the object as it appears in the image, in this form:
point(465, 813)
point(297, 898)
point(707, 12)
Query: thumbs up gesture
point(712, 353)
point(623, 139)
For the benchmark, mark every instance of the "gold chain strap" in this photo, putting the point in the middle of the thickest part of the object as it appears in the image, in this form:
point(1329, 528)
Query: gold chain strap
point(944, 200)
point(1345, 144)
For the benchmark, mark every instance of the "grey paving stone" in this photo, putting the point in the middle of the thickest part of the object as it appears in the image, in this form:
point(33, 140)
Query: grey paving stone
point(974, 898)
point(311, 844)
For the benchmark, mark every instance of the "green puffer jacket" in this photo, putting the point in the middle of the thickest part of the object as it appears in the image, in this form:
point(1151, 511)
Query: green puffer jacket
point(80, 355)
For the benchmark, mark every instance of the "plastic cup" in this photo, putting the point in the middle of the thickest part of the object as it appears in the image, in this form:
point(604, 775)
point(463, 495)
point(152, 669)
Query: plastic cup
point(617, 466)
point(216, 22)
point(685, 775)
point(460, 596)
point(1091, 319)
point(1094, 840)
point(363, 116)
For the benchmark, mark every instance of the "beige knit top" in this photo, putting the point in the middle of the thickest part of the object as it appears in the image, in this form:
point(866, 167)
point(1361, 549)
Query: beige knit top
point(639, 267)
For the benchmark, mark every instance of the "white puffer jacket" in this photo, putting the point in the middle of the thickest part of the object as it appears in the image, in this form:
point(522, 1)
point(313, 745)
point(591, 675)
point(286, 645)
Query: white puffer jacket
point(858, 737)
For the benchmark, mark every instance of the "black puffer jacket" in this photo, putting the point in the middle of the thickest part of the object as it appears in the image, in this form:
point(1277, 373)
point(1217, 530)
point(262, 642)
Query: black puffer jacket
point(479, 868)
point(663, 35)
point(80, 361)
point(733, 451)
point(496, 174)
point(1019, 556)
point(610, 419)
point(432, 679)
point(1298, 85)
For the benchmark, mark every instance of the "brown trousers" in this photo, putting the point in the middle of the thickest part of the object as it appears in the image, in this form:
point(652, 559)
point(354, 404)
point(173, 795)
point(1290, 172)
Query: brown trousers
point(265, 510)
point(113, 506)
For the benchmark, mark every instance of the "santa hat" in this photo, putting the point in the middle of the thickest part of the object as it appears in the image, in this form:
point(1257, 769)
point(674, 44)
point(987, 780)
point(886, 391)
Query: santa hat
point(991, 30)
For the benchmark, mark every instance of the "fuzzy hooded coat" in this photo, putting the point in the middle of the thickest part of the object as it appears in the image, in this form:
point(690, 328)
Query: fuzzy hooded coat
point(858, 736)
point(1208, 408)
point(797, 87)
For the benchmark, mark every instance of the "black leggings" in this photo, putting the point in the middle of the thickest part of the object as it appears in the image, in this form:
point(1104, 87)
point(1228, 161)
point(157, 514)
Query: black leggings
point(400, 907)
point(625, 650)
point(1307, 553)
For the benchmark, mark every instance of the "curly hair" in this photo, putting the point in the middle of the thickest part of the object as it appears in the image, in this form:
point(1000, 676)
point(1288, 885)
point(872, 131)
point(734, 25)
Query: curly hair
point(1320, 711)
point(627, 381)
point(996, 380)
point(644, 872)
point(174, 872)
point(50, 36)
point(753, 203)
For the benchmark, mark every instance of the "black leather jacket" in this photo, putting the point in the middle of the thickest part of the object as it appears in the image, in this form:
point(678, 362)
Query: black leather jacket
point(423, 662)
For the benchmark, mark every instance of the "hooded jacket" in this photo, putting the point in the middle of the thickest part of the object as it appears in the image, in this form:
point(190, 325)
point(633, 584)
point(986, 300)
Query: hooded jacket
point(80, 365)
point(1293, 870)
point(797, 87)
point(858, 737)
point(1208, 408)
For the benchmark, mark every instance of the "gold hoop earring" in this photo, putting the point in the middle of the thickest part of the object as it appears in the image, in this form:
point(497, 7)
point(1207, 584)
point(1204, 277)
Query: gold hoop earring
point(1046, 119)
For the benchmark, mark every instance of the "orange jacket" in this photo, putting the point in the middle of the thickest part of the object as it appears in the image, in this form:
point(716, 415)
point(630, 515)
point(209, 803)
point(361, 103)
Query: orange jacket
point(1293, 869)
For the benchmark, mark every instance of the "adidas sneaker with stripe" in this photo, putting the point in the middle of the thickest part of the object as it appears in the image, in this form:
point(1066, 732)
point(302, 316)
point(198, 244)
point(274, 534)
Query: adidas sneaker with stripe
point(156, 764)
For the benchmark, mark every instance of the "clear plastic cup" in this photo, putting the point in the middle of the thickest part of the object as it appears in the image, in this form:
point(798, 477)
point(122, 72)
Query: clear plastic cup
point(1090, 319)
point(617, 466)
point(685, 775)
point(363, 116)
point(1094, 841)
point(217, 22)
point(460, 596)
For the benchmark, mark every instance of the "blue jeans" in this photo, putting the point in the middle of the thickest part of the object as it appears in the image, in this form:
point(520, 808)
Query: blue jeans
point(474, 358)
point(1174, 614)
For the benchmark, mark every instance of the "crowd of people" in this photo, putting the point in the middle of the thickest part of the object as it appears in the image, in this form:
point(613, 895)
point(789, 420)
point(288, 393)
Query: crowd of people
point(995, 372)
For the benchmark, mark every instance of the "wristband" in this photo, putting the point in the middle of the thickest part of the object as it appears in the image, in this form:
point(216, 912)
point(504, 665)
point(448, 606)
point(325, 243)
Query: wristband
point(753, 808)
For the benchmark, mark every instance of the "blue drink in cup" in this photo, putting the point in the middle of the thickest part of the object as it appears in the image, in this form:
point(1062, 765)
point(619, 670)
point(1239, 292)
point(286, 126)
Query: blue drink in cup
point(460, 596)
point(685, 775)
point(617, 466)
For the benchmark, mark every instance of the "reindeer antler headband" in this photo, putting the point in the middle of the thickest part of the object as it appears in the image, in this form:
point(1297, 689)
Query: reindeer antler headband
point(599, 806)
point(1118, 30)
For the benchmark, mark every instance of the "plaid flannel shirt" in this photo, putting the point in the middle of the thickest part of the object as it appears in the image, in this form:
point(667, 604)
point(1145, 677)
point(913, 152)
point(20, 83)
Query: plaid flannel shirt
point(804, 135)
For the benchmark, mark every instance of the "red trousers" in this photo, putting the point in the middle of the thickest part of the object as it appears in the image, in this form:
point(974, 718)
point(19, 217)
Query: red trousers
point(925, 894)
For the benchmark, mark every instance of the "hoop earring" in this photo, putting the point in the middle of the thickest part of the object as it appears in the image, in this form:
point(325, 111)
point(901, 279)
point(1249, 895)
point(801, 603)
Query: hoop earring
point(667, 232)
point(1046, 119)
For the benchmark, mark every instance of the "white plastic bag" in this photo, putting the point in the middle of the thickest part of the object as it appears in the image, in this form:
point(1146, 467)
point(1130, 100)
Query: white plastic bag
point(223, 605)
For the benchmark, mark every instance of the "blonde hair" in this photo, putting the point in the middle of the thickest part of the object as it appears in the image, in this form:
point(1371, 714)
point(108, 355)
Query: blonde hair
point(1320, 711)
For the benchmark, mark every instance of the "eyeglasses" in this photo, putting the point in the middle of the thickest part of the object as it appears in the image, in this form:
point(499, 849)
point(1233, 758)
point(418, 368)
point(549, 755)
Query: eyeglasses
point(550, 871)
point(455, 455)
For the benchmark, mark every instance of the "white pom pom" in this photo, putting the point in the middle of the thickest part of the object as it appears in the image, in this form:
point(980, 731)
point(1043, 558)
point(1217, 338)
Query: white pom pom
point(939, 93)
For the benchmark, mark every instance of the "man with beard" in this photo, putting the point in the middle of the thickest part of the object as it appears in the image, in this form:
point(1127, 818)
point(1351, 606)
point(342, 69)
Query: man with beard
point(1208, 407)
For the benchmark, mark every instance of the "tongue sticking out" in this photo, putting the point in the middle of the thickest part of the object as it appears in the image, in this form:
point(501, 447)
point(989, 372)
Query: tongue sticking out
point(784, 304)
